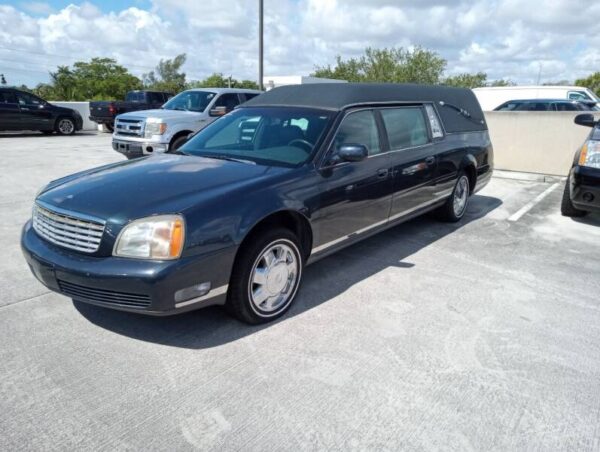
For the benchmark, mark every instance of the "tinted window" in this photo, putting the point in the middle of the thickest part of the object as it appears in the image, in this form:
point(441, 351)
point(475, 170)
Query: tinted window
point(135, 97)
point(229, 101)
point(7, 98)
point(359, 128)
point(508, 106)
point(270, 136)
point(405, 127)
point(566, 106)
point(155, 98)
point(434, 122)
point(28, 99)
point(250, 95)
point(534, 106)
point(579, 95)
point(190, 101)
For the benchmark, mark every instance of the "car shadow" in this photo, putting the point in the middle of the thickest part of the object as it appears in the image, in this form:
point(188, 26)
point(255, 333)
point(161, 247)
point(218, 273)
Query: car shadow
point(592, 219)
point(323, 280)
point(35, 134)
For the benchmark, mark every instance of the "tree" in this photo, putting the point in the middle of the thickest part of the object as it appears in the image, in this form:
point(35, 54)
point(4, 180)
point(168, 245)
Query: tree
point(394, 65)
point(167, 76)
point(502, 82)
point(467, 80)
point(217, 80)
point(592, 82)
point(98, 79)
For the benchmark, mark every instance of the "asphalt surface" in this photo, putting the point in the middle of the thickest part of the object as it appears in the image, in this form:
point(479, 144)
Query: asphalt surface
point(479, 336)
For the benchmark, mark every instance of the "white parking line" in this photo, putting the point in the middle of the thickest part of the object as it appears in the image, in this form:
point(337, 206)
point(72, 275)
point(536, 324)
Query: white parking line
point(527, 207)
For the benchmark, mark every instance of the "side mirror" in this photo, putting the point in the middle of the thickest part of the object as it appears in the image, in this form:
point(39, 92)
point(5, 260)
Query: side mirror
point(217, 111)
point(585, 119)
point(352, 152)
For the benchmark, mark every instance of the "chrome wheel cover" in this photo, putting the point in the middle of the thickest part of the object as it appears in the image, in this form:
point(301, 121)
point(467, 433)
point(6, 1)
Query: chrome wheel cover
point(461, 195)
point(66, 126)
point(274, 278)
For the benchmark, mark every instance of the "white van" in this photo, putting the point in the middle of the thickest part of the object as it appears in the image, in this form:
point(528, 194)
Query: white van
point(154, 131)
point(491, 97)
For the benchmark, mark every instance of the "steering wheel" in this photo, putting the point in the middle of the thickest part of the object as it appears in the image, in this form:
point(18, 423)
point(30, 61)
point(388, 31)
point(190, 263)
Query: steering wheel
point(305, 145)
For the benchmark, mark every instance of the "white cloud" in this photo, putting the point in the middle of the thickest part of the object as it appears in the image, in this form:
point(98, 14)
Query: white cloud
point(505, 38)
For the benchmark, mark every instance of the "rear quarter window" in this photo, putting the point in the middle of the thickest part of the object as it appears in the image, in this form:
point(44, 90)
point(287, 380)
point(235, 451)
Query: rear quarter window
point(405, 127)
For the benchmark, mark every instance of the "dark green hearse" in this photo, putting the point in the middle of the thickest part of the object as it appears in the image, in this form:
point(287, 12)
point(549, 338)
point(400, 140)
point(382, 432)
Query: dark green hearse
point(233, 216)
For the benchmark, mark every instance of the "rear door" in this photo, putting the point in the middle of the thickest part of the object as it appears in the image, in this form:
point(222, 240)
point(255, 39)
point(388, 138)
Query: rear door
point(9, 111)
point(413, 158)
point(35, 113)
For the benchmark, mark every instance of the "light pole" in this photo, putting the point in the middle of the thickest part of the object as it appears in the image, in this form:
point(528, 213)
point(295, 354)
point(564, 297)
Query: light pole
point(260, 44)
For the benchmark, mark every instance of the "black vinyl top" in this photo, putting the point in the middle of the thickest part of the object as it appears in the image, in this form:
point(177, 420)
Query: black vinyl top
point(458, 107)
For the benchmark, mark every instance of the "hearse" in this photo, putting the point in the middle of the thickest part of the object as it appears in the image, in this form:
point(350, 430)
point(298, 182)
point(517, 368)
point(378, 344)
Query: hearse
point(233, 216)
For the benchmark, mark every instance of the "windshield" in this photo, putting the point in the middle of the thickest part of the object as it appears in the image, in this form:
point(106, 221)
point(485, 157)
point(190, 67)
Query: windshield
point(190, 101)
point(268, 136)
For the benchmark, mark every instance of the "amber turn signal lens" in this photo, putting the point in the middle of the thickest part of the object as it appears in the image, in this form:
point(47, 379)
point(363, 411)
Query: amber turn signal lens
point(583, 155)
point(176, 239)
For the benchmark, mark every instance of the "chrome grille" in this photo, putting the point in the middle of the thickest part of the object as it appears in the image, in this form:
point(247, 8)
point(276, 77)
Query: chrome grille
point(66, 230)
point(129, 127)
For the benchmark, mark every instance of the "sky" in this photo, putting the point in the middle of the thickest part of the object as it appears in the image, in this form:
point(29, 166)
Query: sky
point(520, 40)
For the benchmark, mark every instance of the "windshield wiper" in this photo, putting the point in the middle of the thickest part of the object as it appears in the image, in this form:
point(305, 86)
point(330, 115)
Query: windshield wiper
point(227, 157)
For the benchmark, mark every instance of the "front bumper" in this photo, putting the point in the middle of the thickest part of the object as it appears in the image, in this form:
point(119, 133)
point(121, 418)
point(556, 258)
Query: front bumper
point(134, 149)
point(146, 287)
point(585, 188)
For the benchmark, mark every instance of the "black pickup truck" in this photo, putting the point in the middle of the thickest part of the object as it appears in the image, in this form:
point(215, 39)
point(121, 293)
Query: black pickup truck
point(104, 112)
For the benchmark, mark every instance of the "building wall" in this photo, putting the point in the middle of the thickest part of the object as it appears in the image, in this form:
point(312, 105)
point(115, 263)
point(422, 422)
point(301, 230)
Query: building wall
point(535, 142)
point(83, 108)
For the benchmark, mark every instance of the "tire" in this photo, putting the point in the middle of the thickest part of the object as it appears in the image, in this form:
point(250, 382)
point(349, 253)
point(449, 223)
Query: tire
point(567, 209)
point(177, 143)
point(450, 211)
point(65, 126)
point(265, 277)
point(109, 127)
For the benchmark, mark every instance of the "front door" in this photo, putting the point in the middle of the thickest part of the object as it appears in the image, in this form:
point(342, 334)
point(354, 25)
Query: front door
point(35, 113)
point(9, 111)
point(414, 161)
point(355, 196)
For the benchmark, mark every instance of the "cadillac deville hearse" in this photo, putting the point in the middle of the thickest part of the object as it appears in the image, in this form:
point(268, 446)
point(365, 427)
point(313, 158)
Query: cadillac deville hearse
point(234, 215)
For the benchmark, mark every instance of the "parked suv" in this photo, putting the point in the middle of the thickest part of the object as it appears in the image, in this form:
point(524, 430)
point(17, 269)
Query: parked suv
point(547, 105)
point(582, 189)
point(166, 129)
point(20, 110)
point(104, 112)
point(234, 215)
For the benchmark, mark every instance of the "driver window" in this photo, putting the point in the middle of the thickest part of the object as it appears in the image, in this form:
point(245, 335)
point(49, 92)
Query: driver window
point(27, 99)
point(359, 128)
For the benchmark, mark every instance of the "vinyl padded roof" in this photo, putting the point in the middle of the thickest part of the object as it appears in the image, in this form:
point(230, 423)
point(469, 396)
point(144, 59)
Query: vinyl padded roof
point(340, 96)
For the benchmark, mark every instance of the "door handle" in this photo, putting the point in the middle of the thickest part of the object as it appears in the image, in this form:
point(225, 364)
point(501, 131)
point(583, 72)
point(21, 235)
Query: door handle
point(430, 160)
point(381, 173)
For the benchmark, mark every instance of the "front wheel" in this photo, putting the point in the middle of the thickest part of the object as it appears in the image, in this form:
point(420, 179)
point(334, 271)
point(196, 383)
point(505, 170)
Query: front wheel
point(65, 126)
point(177, 143)
point(265, 277)
point(456, 205)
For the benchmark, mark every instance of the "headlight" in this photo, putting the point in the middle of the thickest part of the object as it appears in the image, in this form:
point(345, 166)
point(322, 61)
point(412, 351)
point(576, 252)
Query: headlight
point(159, 237)
point(590, 154)
point(154, 128)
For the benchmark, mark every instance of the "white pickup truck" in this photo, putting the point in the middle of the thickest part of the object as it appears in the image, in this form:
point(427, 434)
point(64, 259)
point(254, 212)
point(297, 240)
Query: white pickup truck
point(154, 131)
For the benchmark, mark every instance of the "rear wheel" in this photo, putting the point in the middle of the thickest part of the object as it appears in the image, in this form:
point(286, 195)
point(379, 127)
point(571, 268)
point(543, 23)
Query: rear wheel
point(265, 277)
point(456, 205)
point(109, 127)
point(566, 206)
point(65, 126)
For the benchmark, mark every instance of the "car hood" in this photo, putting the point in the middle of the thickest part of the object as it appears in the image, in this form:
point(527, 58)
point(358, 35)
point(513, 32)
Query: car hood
point(159, 113)
point(154, 185)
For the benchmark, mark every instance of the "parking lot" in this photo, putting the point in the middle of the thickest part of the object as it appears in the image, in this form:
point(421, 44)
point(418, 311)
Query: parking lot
point(482, 335)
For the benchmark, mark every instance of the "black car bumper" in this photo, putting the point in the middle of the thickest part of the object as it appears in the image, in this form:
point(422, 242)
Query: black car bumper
point(147, 287)
point(103, 120)
point(585, 188)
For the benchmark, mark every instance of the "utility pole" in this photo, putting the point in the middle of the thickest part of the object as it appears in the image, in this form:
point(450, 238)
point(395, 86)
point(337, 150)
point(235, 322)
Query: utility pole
point(260, 43)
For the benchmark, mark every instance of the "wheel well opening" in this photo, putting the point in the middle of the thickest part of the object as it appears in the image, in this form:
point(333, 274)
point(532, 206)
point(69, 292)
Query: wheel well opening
point(179, 135)
point(293, 221)
point(472, 175)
